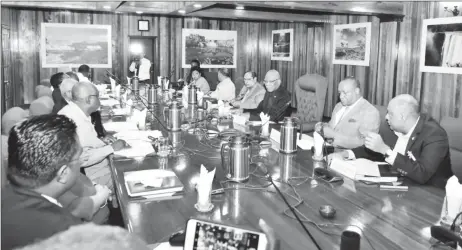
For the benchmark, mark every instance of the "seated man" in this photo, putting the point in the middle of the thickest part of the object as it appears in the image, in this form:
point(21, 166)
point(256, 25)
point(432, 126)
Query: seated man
point(276, 102)
point(352, 118)
point(251, 94)
point(58, 99)
point(415, 145)
point(43, 164)
point(84, 73)
point(85, 100)
point(226, 91)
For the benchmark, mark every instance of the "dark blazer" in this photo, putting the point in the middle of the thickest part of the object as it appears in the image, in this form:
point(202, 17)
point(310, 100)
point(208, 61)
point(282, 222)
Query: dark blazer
point(430, 147)
point(276, 104)
point(59, 100)
point(28, 217)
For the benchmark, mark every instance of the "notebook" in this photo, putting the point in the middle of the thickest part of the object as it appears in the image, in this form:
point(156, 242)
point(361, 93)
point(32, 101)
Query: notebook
point(152, 182)
point(363, 169)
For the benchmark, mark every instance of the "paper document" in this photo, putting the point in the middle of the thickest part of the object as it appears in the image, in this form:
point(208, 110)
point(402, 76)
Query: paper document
point(109, 102)
point(120, 126)
point(166, 246)
point(238, 119)
point(354, 168)
point(138, 135)
point(138, 148)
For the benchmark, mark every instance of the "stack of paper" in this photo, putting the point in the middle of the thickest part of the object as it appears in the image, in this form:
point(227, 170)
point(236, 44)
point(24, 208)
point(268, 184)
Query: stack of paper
point(152, 182)
point(120, 126)
point(306, 143)
point(360, 169)
point(138, 148)
point(109, 102)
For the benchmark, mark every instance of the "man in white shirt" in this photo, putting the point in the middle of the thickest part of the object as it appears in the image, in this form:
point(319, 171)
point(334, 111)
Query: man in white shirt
point(226, 91)
point(84, 102)
point(416, 146)
point(353, 117)
point(84, 73)
point(141, 67)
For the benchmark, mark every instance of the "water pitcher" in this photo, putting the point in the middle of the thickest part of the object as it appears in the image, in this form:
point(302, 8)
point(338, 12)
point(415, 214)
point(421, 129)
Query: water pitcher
point(235, 157)
point(288, 138)
point(172, 116)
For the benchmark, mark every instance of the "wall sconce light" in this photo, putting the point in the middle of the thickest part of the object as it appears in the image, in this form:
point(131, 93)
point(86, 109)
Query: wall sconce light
point(455, 11)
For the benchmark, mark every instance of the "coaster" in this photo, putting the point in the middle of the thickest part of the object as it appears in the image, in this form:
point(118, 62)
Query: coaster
point(204, 210)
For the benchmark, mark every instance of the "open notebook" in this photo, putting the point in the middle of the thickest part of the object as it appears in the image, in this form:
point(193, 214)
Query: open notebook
point(364, 169)
point(152, 182)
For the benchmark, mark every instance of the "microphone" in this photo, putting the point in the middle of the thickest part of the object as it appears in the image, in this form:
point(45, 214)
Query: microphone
point(350, 240)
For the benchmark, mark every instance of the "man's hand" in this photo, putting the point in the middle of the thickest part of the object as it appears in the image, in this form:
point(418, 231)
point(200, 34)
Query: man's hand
point(343, 155)
point(318, 127)
point(375, 143)
point(328, 132)
point(273, 243)
point(119, 145)
point(101, 196)
point(108, 139)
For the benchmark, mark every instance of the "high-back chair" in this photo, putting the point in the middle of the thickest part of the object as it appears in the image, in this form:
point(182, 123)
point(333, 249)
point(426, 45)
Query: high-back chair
point(453, 127)
point(310, 92)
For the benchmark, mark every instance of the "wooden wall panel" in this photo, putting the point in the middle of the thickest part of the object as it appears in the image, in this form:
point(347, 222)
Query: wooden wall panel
point(394, 62)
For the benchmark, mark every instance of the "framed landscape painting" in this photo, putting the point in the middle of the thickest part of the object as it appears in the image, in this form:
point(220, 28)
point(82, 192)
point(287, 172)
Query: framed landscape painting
point(71, 45)
point(352, 44)
point(213, 48)
point(441, 45)
point(282, 45)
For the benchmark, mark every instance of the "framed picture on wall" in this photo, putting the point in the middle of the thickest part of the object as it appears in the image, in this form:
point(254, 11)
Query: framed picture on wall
point(213, 48)
point(71, 45)
point(143, 25)
point(441, 45)
point(352, 44)
point(282, 45)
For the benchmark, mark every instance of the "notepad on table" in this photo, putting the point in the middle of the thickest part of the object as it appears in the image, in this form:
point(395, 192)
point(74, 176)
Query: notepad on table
point(138, 148)
point(120, 126)
point(138, 135)
point(362, 169)
point(152, 182)
point(109, 102)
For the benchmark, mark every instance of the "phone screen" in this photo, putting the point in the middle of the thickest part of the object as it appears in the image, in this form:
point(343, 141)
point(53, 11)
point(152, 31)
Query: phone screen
point(209, 236)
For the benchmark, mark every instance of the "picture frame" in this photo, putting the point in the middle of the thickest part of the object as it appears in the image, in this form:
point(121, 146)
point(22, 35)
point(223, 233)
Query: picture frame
point(143, 25)
point(213, 48)
point(71, 45)
point(352, 44)
point(441, 45)
point(282, 42)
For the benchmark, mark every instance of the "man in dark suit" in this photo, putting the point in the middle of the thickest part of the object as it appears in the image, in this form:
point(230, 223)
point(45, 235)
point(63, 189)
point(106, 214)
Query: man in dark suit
point(43, 164)
point(415, 145)
point(276, 102)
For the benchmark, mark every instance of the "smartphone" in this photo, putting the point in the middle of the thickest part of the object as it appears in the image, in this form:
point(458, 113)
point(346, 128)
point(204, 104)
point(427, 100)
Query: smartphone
point(204, 235)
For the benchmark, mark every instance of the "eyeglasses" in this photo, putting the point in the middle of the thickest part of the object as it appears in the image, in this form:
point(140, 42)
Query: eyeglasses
point(268, 82)
point(248, 79)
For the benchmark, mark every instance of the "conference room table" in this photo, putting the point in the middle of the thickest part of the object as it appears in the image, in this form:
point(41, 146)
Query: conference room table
point(388, 219)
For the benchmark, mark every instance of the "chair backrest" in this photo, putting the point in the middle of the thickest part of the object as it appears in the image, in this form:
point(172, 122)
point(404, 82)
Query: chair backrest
point(383, 122)
point(41, 106)
point(310, 91)
point(453, 127)
point(212, 79)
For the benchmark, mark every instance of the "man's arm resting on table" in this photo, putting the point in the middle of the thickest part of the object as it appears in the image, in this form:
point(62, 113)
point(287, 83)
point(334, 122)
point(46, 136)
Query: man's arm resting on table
point(421, 169)
point(92, 156)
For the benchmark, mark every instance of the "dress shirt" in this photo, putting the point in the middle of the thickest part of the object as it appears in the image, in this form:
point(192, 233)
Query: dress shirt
point(52, 200)
point(143, 72)
point(399, 148)
point(226, 91)
point(202, 84)
point(95, 150)
point(82, 78)
point(343, 111)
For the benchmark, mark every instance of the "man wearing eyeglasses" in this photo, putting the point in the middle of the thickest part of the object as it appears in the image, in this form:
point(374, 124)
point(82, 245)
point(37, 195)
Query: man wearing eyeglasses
point(251, 94)
point(353, 117)
point(276, 102)
point(85, 100)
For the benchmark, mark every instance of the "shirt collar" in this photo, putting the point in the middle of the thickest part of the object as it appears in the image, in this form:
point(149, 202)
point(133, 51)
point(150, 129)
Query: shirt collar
point(78, 111)
point(352, 105)
point(52, 200)
point(409, 133)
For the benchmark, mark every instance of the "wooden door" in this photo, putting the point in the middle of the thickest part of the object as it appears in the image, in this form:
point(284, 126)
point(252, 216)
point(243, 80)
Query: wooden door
point(7, 91)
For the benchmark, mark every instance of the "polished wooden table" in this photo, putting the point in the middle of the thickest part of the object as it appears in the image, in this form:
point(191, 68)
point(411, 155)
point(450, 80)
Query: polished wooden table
point(389, 219)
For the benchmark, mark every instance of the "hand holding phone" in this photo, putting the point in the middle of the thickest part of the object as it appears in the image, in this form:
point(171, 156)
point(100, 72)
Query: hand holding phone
point(203, 235)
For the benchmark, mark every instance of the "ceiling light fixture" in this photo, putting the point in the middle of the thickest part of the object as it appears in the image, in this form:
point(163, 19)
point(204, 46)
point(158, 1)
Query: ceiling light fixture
point(107, 7)
point(197, 5)
point(182, 11)
point(239, 7)
point(139, 12)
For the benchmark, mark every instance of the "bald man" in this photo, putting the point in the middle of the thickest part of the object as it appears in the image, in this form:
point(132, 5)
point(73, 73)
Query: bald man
point(416, 146)
point(85, 101)
point(276, 102)
point(353, 117)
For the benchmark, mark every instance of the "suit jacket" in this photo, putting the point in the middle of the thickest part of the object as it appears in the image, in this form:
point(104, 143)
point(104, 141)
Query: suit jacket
point(251, 97)
point(277, 108)
point(430, 147)
point(354, 125)
point(59, 100)
point(27, 217)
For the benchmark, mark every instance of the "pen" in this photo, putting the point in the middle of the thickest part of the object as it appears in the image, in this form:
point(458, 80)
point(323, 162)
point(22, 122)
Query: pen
point(398, 188)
